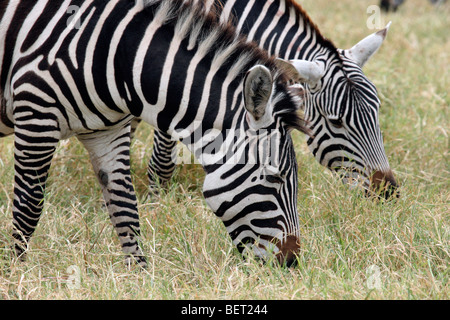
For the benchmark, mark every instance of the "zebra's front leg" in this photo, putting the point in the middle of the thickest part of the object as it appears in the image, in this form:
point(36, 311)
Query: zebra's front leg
point(34, 146)
point(162, 162)
point(110, 157)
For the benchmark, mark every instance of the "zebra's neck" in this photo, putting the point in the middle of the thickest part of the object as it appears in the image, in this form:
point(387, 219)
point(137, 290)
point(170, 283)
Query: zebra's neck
point(290, 35)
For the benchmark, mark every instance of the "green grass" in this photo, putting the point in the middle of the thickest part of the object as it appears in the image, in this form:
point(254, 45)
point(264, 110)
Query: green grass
point(344, 235)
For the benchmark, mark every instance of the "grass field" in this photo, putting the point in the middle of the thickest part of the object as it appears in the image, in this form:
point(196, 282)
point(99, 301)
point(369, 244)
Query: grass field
point(352, 247)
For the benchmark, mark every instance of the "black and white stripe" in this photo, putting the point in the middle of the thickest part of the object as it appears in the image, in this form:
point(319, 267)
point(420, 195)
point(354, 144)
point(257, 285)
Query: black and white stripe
point(86, 68)
point(342, 105)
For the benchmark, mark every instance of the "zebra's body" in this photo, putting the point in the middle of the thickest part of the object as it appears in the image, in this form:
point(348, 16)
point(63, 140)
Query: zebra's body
point(171, 64)
point(342, 109)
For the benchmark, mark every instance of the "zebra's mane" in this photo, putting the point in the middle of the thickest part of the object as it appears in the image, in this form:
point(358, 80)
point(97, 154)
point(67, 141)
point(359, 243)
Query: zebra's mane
point(204, 28)
point(302, 15)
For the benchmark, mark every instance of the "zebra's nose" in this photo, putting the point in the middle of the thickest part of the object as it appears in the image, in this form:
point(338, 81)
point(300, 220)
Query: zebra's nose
point(288, 251)
point(384, 184)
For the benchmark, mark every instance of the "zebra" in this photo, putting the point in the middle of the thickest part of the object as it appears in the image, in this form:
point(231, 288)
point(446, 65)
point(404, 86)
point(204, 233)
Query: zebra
point(179, 68)
point(342, 105)
point(387, 5)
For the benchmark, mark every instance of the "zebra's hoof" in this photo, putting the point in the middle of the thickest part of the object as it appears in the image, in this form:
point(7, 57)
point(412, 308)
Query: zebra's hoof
point(140, 261)
point(20, 252)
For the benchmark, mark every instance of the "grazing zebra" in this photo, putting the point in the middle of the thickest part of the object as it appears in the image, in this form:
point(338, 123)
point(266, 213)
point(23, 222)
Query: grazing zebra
point(342, 106)
point(183, 71)
point(387, 5)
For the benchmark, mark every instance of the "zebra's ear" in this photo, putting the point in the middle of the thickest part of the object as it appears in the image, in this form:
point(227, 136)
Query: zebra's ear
point(289, 69)
point(366, 48)
point(309, 71)
point(258, 84)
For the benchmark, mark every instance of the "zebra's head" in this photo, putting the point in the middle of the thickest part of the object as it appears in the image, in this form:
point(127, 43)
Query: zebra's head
point(342, 110)
point(251, 185)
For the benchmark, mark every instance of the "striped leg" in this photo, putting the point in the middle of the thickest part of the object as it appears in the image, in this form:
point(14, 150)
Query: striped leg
point(110, 157)
point(161, 165)
point(35, 144)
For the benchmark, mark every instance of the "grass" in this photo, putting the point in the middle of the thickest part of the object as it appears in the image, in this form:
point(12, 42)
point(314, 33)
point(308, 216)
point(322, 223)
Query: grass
point(348, 241)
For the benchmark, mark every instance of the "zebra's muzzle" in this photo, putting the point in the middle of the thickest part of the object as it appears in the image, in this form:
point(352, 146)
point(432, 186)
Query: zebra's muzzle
point(286, 251)
point(383, 184)
point(289, 249)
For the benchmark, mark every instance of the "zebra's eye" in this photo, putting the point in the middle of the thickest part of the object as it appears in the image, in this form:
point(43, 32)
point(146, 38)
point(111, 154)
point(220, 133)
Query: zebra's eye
point(337, 123)
point(274, 178)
